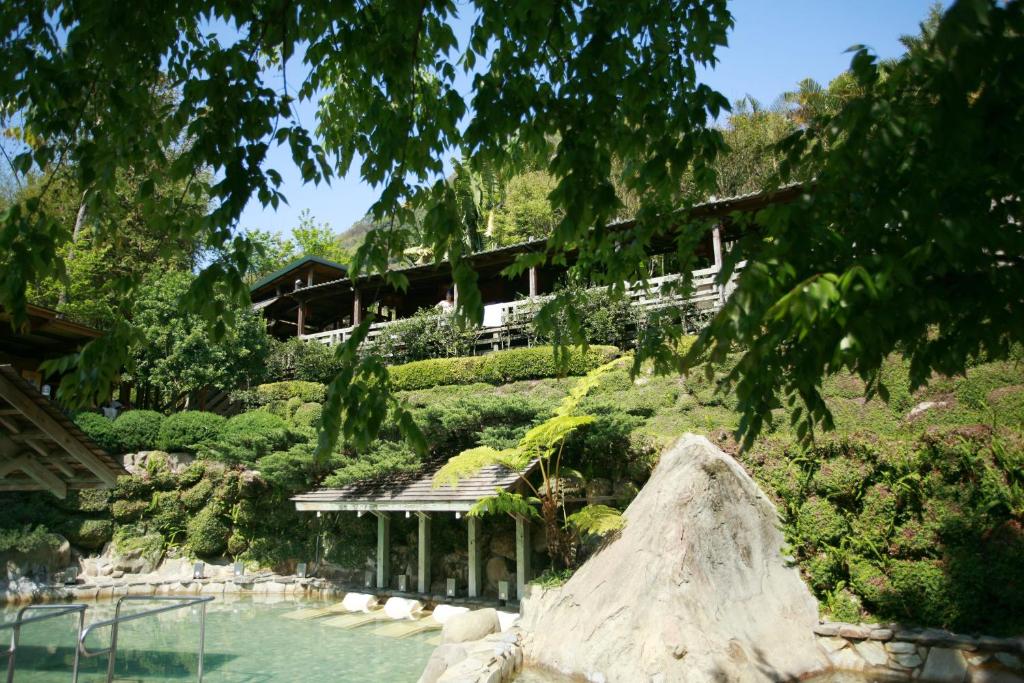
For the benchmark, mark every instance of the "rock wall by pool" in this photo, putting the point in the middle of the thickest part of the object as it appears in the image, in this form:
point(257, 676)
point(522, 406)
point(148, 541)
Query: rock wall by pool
point(695, 588)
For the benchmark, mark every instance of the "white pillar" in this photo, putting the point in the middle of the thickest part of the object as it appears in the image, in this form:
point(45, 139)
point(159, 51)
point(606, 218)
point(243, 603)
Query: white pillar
point(474, 556)
point(423, 579)
point(522, 556)
point(716, 243)
point(383, 549)
point(533, 281)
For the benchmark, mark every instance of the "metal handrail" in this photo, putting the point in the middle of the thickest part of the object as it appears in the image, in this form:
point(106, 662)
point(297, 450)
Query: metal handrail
point(53, 611)
point(111, 651)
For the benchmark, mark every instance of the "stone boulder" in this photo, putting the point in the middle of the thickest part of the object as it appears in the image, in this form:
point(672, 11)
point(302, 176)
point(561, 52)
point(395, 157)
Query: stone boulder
point(496, 570)
point(468, 626)
point(694, 588)
point(39, 563)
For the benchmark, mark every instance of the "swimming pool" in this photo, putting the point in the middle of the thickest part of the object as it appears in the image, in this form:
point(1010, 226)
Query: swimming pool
point(247, 641)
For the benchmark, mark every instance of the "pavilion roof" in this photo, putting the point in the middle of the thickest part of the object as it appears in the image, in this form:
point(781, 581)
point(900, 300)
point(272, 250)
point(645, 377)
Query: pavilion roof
point(415, 492)
point(41, 449)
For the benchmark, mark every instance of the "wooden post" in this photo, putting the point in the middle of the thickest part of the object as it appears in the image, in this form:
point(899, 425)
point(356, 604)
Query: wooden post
point(473, 524)
point(533, 281)
point(383, 548)
point(423, 550)
point(357, 307)
point(301, 319)
point(455, 296)
point(522, 556)
point(716, 243)
point(309, 278)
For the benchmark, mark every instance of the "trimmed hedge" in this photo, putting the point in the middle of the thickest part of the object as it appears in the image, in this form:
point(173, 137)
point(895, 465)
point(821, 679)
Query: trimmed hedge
point(501, 367)
point(99, 429)
point(257, 431)
point(137, 430)
point(308, 392)
point(184, 431)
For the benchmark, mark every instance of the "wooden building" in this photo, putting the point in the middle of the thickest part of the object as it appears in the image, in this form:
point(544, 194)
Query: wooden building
point(316, 300)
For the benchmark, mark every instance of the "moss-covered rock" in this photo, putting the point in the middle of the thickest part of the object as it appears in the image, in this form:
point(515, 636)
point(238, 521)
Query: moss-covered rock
point(88, 534)
point(208, 532)
point(125, 511)
point(197, 496)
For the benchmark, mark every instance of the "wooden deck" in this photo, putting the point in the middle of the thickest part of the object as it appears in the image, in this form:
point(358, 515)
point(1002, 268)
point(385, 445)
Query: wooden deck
point(505, 324)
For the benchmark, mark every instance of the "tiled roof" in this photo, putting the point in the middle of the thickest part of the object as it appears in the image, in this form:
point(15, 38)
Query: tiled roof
point(410, 492)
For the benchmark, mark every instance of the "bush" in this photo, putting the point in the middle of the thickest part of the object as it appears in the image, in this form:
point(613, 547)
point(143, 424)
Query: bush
point(307, 392)
point(187, 430)
point(99, 429)
point(296, 359)
point(500, 367)
point(124, 511)
point(208, 533)
point(89, 534)
point(27, 539)
point(90, 500)
point(258, 432)
point(819, 522)
point(237, 544)
point(308, 415)
point(426, 334)
point(605, 318)
point(137, 430)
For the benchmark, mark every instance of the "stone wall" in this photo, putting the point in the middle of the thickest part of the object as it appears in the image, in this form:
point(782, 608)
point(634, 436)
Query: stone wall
point(898, 653)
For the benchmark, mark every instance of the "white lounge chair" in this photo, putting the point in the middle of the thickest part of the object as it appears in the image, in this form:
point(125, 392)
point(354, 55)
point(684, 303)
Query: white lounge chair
point(352, 603)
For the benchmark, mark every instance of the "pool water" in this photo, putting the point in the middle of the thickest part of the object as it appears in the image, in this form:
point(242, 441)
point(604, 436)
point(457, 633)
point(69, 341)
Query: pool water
point(247, 641)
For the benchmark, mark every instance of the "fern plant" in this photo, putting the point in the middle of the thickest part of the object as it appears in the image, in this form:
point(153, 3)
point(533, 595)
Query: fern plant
point(541, 448)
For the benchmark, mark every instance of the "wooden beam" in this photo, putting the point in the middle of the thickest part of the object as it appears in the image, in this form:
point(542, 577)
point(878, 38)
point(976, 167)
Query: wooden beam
point(24, 436)
point(9, 411)
point(45, 477)
point(12, 465)
point(56, 431)
point(53, 458)
point(10, 425)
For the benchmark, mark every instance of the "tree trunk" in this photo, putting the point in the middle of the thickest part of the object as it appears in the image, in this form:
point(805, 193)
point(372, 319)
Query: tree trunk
point(79, 222)
point(559, 544)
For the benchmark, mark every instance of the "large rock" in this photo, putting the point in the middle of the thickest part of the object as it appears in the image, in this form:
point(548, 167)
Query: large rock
point(695, 588)
point(40, 563)
point(474, 625)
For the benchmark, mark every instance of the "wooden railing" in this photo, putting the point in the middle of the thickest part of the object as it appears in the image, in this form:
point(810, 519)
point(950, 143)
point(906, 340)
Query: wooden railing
point(705, 294)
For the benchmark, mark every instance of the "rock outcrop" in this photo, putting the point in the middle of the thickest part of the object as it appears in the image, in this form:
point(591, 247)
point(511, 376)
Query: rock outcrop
point(695, 588)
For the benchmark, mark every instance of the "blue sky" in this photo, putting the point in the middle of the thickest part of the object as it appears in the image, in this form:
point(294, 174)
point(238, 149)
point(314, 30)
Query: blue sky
point(774, 44)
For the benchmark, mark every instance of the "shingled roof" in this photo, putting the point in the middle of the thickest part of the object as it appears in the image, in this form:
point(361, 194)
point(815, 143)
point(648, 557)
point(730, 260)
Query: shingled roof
point(41, 449)
point(410, 492)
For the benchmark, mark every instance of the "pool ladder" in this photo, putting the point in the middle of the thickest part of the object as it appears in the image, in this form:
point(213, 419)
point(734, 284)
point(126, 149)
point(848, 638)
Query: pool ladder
point(46, 612)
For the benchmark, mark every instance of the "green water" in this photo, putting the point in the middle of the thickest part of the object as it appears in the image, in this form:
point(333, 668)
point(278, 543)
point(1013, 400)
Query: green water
point(247, 641)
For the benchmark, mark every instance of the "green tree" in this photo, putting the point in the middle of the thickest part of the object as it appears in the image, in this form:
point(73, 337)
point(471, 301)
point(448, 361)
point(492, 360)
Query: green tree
point(910, 240)
point(526, 212)
point(175, 355)
point(313, 239)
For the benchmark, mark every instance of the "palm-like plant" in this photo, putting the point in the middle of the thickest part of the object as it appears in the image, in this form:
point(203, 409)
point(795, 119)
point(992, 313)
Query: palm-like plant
point(541, 448)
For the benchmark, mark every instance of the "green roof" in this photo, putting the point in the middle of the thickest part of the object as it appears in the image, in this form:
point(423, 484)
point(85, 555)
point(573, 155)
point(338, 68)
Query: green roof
point(297, 263)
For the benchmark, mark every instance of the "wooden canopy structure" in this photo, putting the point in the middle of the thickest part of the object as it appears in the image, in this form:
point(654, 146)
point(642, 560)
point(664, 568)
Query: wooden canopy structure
point(45, 335)
point(416, 494)
point(41, 449)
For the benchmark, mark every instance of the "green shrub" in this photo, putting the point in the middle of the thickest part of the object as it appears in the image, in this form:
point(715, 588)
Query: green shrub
point(870, 582)
point(819, 522)
point(208, 533)
point(386, 457)
point(167, 514)
point(27, 539)
point(308, 415)
point(840, 479)
point(237, 544)
point(197, 496)
point(89, 534)
point(426, 334)
point(124, 511)
point(258, 432)
point(308, 392)
point(99, 429)
point(134, 538)
point(90, 500)
point(823, 571)
point(187, 430)
point(500, 367)
point(137, 430)
point(295, 359)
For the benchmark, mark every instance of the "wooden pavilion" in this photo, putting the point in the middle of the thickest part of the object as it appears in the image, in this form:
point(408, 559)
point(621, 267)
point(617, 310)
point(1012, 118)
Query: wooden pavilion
point(416, 494)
